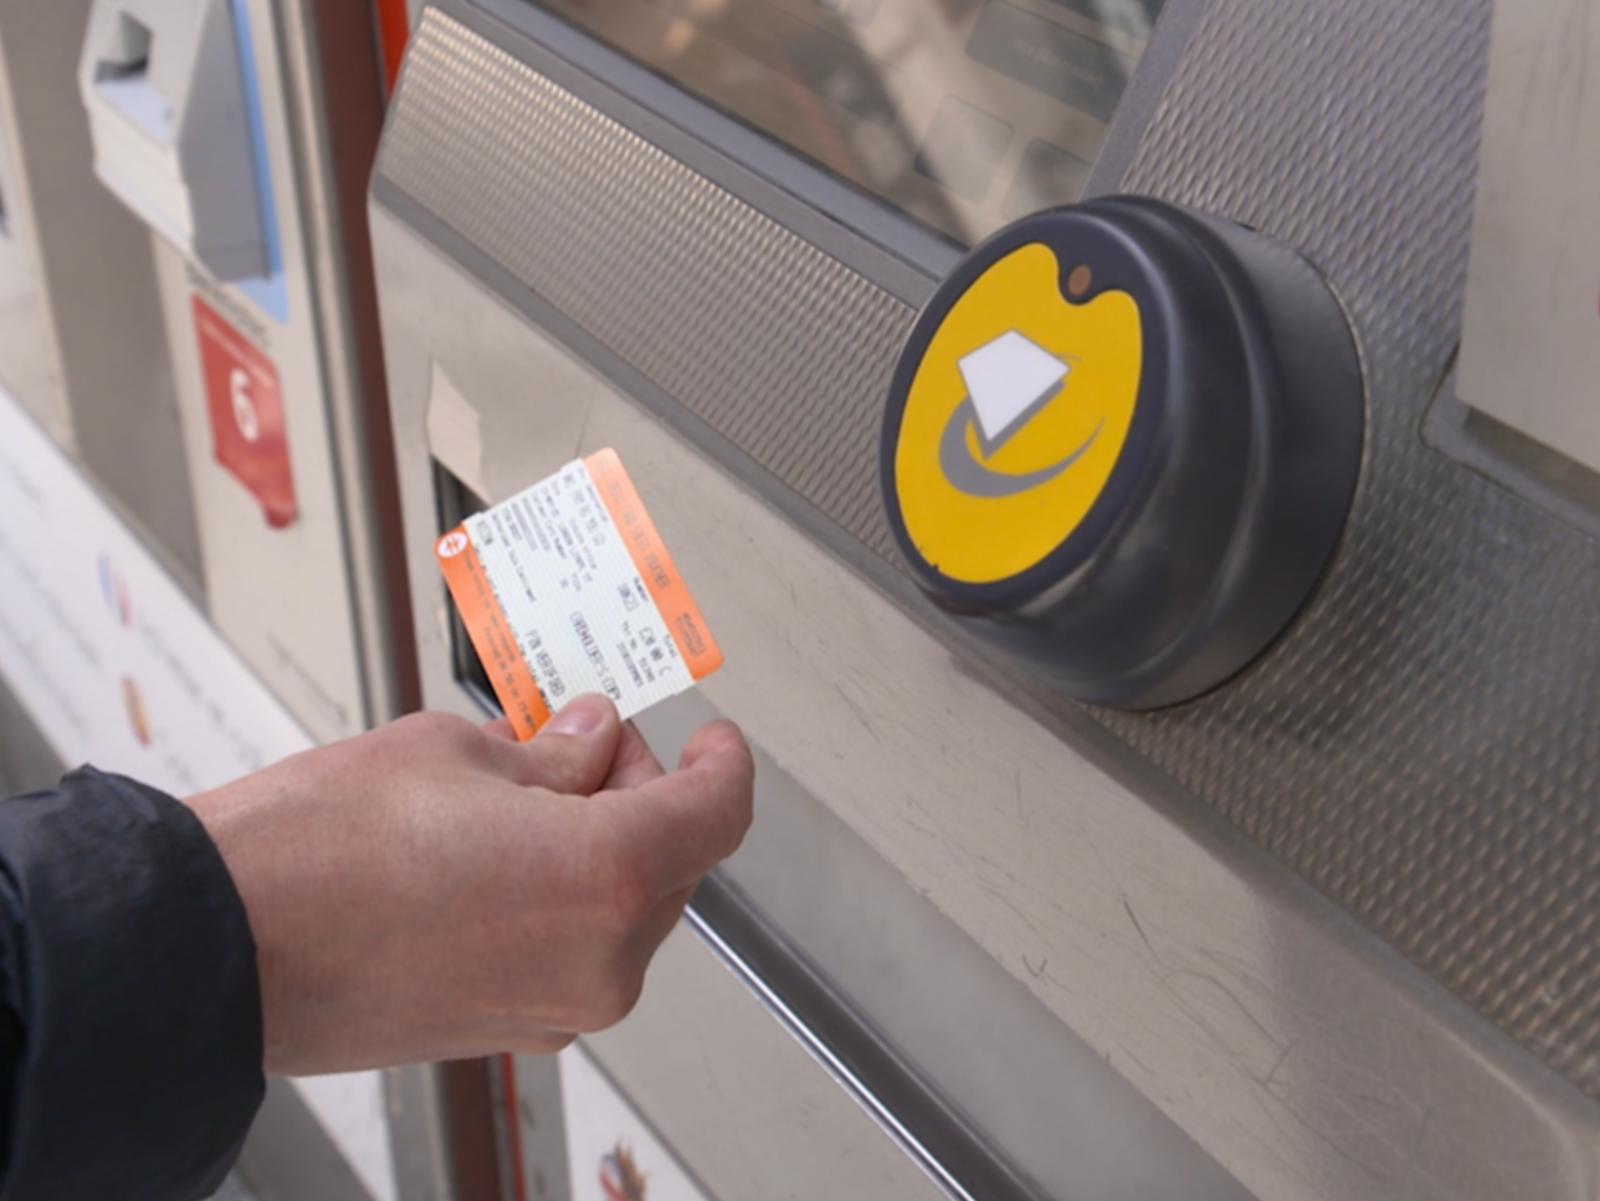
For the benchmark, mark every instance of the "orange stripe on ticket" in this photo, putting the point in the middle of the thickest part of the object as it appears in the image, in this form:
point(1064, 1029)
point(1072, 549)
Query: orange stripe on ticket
point(656, 568)
point(491, 633)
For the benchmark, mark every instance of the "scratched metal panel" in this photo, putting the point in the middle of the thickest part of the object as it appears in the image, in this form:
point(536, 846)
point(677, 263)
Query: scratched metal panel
point(1424, 743)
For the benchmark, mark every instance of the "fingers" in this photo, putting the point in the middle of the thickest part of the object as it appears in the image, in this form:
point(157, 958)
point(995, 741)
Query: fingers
point(572, 753)
point(500, 728)
point(635, 763)
point(687, 822)
point(717, 738)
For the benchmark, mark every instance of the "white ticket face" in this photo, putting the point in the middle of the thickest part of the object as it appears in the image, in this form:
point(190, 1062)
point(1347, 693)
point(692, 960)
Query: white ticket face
point(566, 588)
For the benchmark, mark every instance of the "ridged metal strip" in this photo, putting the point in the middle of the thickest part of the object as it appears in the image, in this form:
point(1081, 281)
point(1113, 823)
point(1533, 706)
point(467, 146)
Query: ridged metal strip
point(659, 264)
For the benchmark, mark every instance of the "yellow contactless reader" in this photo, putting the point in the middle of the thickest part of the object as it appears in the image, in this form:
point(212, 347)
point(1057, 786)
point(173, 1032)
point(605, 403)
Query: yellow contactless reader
point(1121, 443)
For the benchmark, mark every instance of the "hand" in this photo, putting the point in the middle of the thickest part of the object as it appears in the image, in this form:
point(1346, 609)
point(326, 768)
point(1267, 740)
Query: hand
point(433, 890)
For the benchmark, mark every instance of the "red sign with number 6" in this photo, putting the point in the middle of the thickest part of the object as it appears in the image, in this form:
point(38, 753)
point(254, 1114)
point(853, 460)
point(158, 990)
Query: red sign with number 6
point(246, 406)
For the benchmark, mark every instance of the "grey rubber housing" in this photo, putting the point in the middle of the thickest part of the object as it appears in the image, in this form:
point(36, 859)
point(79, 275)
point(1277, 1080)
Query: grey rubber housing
point(1232, 490)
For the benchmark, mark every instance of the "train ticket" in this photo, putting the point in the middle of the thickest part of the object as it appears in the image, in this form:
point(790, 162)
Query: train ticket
point(567, 588)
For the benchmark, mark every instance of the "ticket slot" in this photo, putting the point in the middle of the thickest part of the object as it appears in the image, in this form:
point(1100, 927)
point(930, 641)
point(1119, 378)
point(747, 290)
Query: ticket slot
point(456, 502)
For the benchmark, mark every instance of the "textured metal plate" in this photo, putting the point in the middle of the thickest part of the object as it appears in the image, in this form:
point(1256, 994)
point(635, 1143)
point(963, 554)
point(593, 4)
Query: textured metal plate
point(1424, 743)
point(660, 265)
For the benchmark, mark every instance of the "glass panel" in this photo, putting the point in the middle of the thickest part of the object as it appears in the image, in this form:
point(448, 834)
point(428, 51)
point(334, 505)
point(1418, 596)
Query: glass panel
point(964, 113)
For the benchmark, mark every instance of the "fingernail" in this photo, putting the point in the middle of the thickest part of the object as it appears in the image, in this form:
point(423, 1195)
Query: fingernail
point(581, 716)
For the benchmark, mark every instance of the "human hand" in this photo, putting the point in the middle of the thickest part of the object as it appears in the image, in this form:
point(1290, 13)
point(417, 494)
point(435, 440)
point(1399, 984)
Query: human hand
point(433, 890)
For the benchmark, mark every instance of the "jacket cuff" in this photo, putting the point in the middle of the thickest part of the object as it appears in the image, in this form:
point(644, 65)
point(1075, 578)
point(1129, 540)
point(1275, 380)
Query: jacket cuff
point(130, 962)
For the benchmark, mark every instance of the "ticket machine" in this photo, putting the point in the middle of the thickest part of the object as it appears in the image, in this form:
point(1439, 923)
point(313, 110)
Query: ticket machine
point(236, 137)
point(1277, 882)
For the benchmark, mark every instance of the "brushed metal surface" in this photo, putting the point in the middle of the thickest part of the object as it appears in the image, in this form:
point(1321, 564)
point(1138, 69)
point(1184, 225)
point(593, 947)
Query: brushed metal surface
point(676, 307)
point(1424, 743)
point(698, 1043)
point(1308, 1058)
point(336, 98)
point(1058, 1113)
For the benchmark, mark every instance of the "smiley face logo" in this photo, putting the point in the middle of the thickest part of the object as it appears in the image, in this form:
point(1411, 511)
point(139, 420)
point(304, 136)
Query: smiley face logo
point(1015, 418)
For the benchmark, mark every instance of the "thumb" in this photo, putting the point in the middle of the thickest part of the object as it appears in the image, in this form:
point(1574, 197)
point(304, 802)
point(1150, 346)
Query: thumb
point(573, 751)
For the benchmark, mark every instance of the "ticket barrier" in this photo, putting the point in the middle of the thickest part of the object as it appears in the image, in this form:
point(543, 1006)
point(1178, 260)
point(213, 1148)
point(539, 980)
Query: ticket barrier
point(242, 135)
point(1292, 902)
point(239, 133)
point(82, 346)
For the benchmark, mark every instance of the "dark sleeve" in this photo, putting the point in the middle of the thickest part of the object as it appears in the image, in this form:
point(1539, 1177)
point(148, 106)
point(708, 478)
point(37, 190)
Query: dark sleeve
point(130, 1011)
